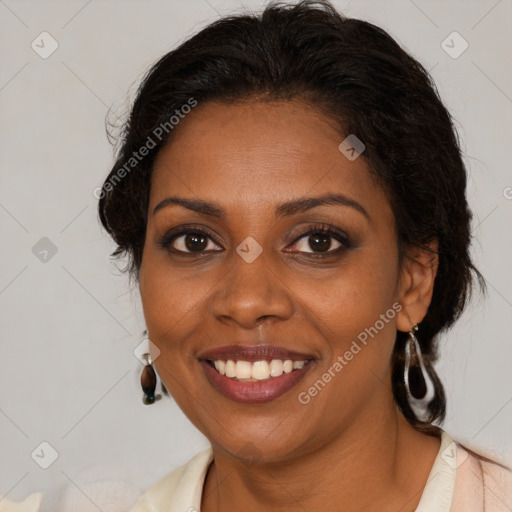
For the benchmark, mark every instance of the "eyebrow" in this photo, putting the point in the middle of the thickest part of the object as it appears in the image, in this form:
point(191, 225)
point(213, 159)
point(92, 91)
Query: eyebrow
point(283, 210)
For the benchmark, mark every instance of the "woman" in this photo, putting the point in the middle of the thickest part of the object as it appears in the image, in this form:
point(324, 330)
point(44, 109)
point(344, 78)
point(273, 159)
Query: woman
point(291, 196)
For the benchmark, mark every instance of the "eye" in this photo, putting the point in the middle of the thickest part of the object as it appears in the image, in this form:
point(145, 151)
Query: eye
point(321, 241)
point(193, 242)
point(189, 241)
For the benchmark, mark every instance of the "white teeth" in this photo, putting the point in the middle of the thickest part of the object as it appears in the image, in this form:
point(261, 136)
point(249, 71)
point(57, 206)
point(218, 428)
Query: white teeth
point(230, 369)
point(243, 370)
point(260, 370)
point(221, 367)
point(276, 367)
point(257, 370)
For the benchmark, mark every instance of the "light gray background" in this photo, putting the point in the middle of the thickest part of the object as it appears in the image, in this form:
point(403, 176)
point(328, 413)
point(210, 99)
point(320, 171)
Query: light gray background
point(69, 325)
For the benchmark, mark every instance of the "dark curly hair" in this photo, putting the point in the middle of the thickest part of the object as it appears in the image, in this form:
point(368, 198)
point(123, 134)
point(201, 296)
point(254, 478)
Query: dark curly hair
point(357, 75)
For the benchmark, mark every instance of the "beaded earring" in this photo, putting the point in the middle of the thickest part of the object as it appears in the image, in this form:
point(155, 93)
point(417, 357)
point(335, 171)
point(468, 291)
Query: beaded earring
point(148, 381)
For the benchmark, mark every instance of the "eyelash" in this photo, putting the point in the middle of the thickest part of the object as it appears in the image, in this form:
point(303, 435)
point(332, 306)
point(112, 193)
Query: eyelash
point(166, 241)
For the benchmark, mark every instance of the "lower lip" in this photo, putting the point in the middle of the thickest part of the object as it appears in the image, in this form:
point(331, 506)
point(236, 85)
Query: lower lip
point(254, 392)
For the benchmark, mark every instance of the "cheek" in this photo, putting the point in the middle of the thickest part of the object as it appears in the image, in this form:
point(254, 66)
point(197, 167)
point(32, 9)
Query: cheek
point(172, 311)
point(354, 297)
point(174, 302)
point(355, 312)
point(171, 298)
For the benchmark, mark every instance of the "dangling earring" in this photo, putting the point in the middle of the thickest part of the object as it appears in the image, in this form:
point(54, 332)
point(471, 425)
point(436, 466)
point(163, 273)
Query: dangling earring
point(417, 381)
point(148, 381)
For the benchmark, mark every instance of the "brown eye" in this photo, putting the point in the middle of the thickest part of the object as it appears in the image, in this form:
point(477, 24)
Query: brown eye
point(321, 241)
point(189, 241)
point(192, 242)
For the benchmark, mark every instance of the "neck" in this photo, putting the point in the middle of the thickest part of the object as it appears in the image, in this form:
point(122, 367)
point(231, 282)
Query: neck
point(380, 463)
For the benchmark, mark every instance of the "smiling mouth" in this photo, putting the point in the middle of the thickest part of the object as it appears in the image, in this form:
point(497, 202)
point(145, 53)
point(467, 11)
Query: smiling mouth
point(272, 378)
point(256, 371)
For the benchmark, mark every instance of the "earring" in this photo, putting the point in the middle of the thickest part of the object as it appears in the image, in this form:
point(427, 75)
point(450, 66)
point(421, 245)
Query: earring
point(148, 381)
point(417, 381)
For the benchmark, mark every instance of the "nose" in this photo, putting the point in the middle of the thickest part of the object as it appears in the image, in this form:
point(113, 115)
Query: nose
point(251, 292)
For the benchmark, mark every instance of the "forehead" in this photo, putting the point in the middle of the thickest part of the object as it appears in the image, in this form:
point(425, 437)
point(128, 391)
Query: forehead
point(256, 155)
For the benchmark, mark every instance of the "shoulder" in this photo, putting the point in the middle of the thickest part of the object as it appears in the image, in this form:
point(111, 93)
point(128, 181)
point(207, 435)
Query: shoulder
point(481, 483)
point(497, 481)
point(178, 490)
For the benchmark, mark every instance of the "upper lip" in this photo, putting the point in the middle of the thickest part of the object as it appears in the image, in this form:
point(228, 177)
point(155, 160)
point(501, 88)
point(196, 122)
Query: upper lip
point(252, 353)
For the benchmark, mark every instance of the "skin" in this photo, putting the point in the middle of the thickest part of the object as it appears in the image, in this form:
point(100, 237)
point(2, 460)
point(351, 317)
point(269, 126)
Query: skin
point(349, 445)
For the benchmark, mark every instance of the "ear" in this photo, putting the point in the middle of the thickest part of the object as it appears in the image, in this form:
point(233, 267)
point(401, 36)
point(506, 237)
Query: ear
point(416, 284)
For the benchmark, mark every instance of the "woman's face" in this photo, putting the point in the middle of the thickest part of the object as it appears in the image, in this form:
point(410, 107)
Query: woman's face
point(246, 273)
